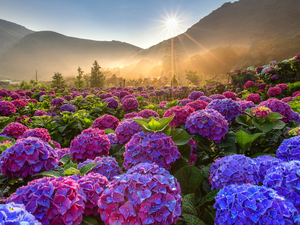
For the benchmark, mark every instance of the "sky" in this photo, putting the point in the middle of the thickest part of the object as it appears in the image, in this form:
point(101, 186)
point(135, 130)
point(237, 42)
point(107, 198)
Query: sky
point(142, 23)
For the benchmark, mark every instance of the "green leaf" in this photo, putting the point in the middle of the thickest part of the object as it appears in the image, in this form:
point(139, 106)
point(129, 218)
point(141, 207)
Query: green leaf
point(71, 171)
point(244, 120)
point(153, 124)
point(86, 168)
point(190, 179)
point(70, 164)
point(50, 173)
point(185, 151)
point(274, 115)
point(228, 141)
point(109, 131)
point(245, 140)
point(3, 138)
point(188, 204)
point(209, 197)
point(180, 136)
point(62, 128)
point(206, 171)
point(89, 220)
point(262, 153)
point(65, 159)
point(192, 220)
point(278, 125)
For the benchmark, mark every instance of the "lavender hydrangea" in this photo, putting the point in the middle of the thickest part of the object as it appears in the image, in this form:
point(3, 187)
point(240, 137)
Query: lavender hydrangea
point(57, 101)
point(227, 107)
point(217, 96)
point(112, 103)
point(208, 123)
point(205, 98)
point(112, 138)
point(195, 95)
point(251, 204)
point(246, 105)
point(40, 133)
point(146, 194)
point(7, 108)
point(40, 113)
point(185, 101)
point(130, 104)
point(106, 121)
point(233, 169)
point(150, 147)
point(107, 167)
point(68, 108)
point(147, 113)
point(289, 149)
point(126, 130)
point(14, 130)
point(28, 156)
point(130, 115)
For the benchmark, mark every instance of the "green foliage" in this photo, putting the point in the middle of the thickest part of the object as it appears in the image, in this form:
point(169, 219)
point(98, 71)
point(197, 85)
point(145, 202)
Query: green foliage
point(245, 139)
point(155, 124)
point(57, 80)
point(193, 77)
point(97, 77)
point(79, 82)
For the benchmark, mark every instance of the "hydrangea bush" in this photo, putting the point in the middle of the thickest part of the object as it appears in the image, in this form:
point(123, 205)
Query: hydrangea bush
point(289, 149)
point(126, 130)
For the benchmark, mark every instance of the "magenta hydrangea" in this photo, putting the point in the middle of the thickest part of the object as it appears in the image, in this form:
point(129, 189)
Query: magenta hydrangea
point(14, 130)
point(146, 194)
point(130, 104)
point(23, 118)
point(195, 95)
point(40, 113)
point(255, 98)
point(150, 147)
point(91, 143)
point(184, 101)
point(147, 113)
point(40, 133)
point(180, 115)
point(229, 94)
point(208, 123)
point(282, 86)
point(249, 84)
point(126, 130)
point(112, 138)
point(7, 108)
point(287, 99)
point(233, 169)
point(227, 107)
point(57, 101)
point(28, 156)
point(19, 103)
point(273, 91)
point(205, 98)
point(130, 115)
point(112, 103)
point(107, 167)
point(52, 200)
point(217, 96)
point(197, 105)
point(106, 122)
point(56, 144)
point(61, 152)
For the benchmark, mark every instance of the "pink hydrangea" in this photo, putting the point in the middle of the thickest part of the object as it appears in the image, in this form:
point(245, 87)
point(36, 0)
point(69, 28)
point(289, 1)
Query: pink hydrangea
point(282, 86)
point(147, 113)
point(7, 108)
point(255, 98)
point(23, 118)
point(130, 104)
point(106, 121)
point(180, 115)
point(249, 84)
point(261, 111)
point(197, 105)
point(230, 94)
point(14, 130)
point(273, 91)
point(40, 133)
point(19, 103)
point(261, 86)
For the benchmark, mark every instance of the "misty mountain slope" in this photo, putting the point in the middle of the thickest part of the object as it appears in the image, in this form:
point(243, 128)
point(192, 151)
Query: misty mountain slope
point(10, 33)
point(50, 52)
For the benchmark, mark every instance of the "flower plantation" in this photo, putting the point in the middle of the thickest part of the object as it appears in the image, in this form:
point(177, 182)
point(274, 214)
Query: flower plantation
point(223, 154)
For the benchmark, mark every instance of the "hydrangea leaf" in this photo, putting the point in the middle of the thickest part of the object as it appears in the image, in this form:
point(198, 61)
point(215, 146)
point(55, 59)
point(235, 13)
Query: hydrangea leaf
point(188, 205)
point(209, 197)
point(192, 220)
point(3, 138)
point(70, 164)
point(228, 141)
point(50, 173)
point(180, 137)
point(245, 140)
point(109, 131)
point(244, 120)
point(65, 159)
point(90, 220)
point(71, 171)
point(86, 168)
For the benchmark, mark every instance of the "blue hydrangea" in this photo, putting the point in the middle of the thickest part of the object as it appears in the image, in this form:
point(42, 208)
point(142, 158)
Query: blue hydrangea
point(289, 149)
point(233, 169)
point(227, 107)
point(251, 204)
point(67, 107)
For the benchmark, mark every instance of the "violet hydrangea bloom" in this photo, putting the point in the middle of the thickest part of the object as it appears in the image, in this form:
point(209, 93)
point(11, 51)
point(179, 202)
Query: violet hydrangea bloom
point(246, 105)
point(52, 200)
point(180, 115)
point(287, 99)
point(61, 152)
point(7, 108)
point(105, 122)
point(146, 194)
point(68, 108)
point(205, 98)
point(227, 107)
point(126, 130)
point(208, 123)
point(255, 98)
point(19, 103)
point(217, 96)
point(12, 213)
point(150, 147)
point(28, 156)
point(229, 94)
point(195, 95)
point(40, 113)
point(185, 101)
point(273, 91)
point(14, 130)
point(289, 149)
point(233, 169)
point(56, 144)
point(107, 167)
point(112, 138)
point(40, 133)
point(91, 143)
point(130, 115)
point(251, 204)
point(112, 103)
point(147, 113)
point(197, 105)
point(57, 101)
point(130, 104)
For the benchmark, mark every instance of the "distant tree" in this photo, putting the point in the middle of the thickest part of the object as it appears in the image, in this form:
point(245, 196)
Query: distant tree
point(24, 85)
point(174, 81)
point(193, 77)
point(57, 80)
point(79, 82)
point(87, 79)
point(97, 77)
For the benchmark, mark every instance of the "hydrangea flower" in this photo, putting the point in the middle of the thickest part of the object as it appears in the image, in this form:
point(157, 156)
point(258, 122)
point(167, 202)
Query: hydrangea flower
point(255, 98)
point(56, 144)
point(197, 105)
point(112, 103)
point(205, 98)
point(7, 108)
point(217, 96)
point(208, 123)
point(233, 169)
point(251, 204)
point(130, 104)
point(61, 152)
point(273, 91)
point(289, 149)
point(227, 107)
point(40, 113)
point(193, 145)
point(52, 200)
point(260, 111)
point(68, 108)
point(105, 122)
point(185, 101)
point(130, 115)
point(126, 130)
point(147, 113)
point(14, 130)
point(282, 86)
point(57, 101)
point(91, 143)
point(294, 131)
point(19, 103)
point(12, 213)
point(146, 194)
point(296, 93)
point(108, 166)
point(23, 118)
point(246, 105)
point(287, 99)
point(229, 94)
point(249, 83)
point(40, 133)
point(150, 147)
point(195, 95)
point(261, 86)
point(275, 77)
point(180, 115)
point(112, 138)
point(28, 156)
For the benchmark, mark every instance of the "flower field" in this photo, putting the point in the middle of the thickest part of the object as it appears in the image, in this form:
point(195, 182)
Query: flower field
point(223, 154)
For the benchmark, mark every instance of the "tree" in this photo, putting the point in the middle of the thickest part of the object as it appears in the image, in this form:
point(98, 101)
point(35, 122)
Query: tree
point(97, 77)
point(87, 79)
point(57, 80)
point(193, 77)
point(174, 81)
point(79, 82)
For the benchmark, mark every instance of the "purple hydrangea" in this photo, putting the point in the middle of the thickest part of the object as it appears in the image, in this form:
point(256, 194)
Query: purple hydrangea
point(57, 101)
point(7, 108)
point(296, 117)
point(19, 103)
point(150, 147)
point(205, 98)
point(273, 91)
point(255, 98)
point(185, 101)
point(147, 113)
point(217, 96)
point(52, 200)
point(12, 213)
point(208, 123)
point(251, 204)
point(289, 149)
point(130, 115)
point(146, 194)
point(227, 107)
point(28, 156)
point(68, 108)
point(105, 122)
point(107, 167)
point(33, 101)
point(112, 103)
point(112, 138)
point(195, 95)
point(40, 113)
point(180, 115)
point(233, 169)
point(229, 94)
point(246, 105)
point(91, 143)
point(61, 152)
point(14, 130)
point(197, 105)
point(287, 99)
point(56, 144)
point(130, 104)
point(40, 133)
point(126, 130)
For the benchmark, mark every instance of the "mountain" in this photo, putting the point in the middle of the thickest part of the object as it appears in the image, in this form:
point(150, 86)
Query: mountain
point(11, 33)
point(49, 52)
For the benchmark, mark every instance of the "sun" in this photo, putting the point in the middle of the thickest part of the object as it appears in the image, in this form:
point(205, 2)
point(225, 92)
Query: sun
point(172, 23)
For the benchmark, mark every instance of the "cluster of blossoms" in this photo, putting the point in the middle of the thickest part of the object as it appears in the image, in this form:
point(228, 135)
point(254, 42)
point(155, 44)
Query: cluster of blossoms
point(112, 138)
point(180, 115)
point(68, 108)
point(195, 95)
point(150, 147)
point(58, 200)
point(205, 98)
point(15, 130)
point(275, 77)
point(105, 122)
point(197, 105)
point(273, 91)
point(23, 118)
point(147, 113)
point(107, 167)
point(40, 133)
point(230, 94)
point(261, 86)
point(112, 103)
point(7, 108)
point(28, 156)
point(260, 111)
point(208, 123)
point(91, 143)
point(19, 103)
point(146, 194)
point(217, 96)
point(12, 213)
point(251, 204)
point(233, 169)
point(294, 131)
point(246, 105)
point(282, 86)
point(287, 99)
point(57, 101)
point(185, 101)
point(226, 107)
point(249, 84)
point(130, 104)
point(289, 149)
point(255, 98)
point(130, 115)
point(61, 152)
point(126, 130)
point(40, 113)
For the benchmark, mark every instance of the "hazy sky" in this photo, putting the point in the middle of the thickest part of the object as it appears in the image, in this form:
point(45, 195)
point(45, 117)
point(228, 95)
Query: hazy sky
point(138, 22)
